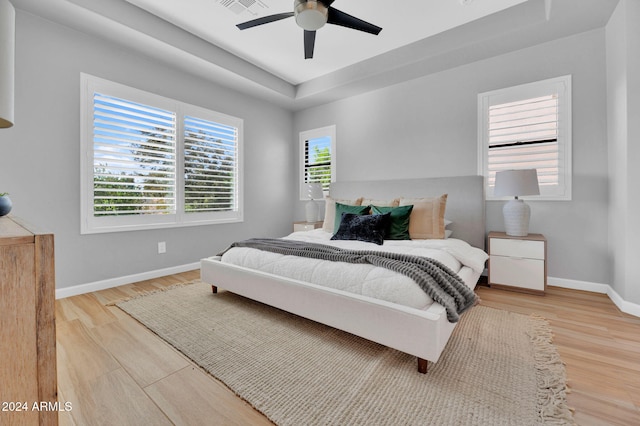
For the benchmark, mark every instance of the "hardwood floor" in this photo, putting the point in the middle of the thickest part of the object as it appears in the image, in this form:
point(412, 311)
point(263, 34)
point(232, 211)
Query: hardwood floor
point(599, 345)
point(114, 371)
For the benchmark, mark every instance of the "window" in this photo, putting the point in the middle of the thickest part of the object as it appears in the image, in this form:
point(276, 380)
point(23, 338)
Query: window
point(318, 163)
point(152, 162)
point(528, 127)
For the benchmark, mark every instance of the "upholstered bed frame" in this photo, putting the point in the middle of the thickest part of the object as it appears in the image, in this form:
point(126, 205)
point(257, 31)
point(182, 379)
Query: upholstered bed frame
point(422, 333)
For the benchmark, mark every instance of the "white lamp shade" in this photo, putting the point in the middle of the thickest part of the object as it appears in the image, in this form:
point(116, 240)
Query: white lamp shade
point(314, 191)
point(516, 183)
point(7, 59)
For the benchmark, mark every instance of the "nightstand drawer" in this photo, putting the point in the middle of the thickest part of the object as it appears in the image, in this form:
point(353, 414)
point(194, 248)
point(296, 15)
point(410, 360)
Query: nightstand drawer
point(517, 248)
point(517, 272)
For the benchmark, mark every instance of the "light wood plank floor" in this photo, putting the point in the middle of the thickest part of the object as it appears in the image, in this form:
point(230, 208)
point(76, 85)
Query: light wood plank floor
point(114, 371)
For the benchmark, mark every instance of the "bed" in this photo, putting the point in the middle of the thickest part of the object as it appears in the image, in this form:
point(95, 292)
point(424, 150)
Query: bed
point(421, 329)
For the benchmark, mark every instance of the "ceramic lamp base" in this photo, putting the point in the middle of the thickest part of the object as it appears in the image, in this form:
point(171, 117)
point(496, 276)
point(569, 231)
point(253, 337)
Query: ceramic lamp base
point(311, 209)
point(516, 218)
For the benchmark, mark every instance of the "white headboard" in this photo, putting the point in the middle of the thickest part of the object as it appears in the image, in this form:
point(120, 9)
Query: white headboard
point(465, 200)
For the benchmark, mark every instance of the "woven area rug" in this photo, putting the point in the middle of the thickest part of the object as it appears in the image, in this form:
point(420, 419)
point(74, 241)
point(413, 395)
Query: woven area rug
point(499, 368)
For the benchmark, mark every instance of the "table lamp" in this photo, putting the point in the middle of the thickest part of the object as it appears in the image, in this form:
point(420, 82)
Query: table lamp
point(516, 212)
point(314, 192)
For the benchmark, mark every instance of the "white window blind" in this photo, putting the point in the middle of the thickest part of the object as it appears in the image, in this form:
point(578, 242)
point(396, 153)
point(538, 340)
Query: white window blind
point(318, 161)
point(134, 158)
point(318, 158)
point(150, 161)
point(210, 163)
point(528, 127)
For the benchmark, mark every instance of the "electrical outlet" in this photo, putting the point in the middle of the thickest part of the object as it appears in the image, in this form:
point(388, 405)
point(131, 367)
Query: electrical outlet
point(162, 247)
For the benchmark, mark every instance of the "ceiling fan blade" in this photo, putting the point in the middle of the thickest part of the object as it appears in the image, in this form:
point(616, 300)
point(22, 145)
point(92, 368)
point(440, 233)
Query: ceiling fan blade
point(309, 43)
point(327, 3)
point(337, 17)
point(264, 20)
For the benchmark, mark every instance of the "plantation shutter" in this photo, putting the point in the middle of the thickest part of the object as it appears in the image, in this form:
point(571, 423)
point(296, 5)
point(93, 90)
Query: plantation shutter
point(211, 166)
point(151, 162)
point(134, 158)
point(529, 127)
point(524, 135)
point(317, 161)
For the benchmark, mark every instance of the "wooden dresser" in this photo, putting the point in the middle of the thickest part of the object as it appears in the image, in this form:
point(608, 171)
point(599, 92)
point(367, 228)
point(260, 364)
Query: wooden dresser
point(27, 326)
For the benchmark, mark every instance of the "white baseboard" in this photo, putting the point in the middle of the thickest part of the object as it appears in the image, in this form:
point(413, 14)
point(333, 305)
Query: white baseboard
point(578, 285)
point(623, 305)
point(115, 282)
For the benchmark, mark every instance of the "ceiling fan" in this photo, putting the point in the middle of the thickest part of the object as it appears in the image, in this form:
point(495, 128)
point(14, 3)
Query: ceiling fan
point(311, 15)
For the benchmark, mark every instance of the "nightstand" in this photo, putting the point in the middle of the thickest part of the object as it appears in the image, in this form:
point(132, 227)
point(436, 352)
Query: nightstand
point(306, 226)
point(518, 263)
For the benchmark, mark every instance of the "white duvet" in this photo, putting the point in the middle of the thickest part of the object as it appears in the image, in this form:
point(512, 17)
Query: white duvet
point(366, 280)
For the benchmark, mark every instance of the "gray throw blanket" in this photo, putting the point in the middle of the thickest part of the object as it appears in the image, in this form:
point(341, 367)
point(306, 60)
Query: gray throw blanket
point(438, 281)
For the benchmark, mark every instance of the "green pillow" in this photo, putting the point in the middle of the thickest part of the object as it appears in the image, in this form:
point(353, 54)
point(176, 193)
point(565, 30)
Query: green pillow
point(399, 229)
point(346, 208)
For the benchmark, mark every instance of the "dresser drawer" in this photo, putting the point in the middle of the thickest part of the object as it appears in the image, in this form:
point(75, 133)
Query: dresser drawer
point(517, 248)
point(517, 272)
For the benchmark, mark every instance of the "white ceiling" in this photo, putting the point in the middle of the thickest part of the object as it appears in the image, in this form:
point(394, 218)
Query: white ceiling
point(277, 47)
point(418, 38)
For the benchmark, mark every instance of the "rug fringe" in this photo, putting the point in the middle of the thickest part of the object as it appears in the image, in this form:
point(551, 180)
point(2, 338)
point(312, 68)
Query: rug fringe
point(552, 386)
point(478, 300)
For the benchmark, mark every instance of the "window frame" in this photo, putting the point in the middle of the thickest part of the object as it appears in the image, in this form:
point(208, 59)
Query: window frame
point(304, 136)
point(560, 85)
point(91, 224)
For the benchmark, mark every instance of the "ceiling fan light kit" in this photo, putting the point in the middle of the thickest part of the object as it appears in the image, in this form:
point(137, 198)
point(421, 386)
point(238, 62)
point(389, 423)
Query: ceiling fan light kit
point(311, 15)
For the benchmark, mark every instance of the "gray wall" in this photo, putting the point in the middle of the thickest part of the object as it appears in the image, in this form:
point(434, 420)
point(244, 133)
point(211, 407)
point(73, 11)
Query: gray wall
point(420, 128)
point(428, 127)
point(39, 156)
point(633, 153)
point(623, 110)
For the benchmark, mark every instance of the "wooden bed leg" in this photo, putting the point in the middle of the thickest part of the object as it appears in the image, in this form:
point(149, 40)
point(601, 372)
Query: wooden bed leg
point(214, 289)
point(422, 365)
